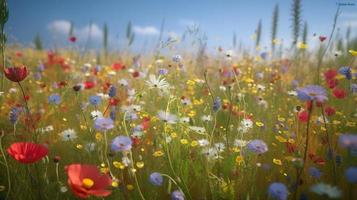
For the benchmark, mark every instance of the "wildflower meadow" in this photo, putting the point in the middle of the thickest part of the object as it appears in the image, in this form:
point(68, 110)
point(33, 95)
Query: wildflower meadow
point(180, 118)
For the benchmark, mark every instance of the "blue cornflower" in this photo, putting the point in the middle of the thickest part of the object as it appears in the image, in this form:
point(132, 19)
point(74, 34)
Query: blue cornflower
point(177, 195)
point(163, 71)
point(112, 115)
point(112, 91)
point(347, 140)
point(354, 88)
point(103, 124)
point(338, 160)
point(41, 68)
point(217, 104)
point(278, 191)
point(315, 172)
point(312, 93)
point(95, 100)
point(351, 175)
point(121, 143)
point(14, 114)
point(54, 99)
point(346, 71)
point(257, 146)
point(156, 179)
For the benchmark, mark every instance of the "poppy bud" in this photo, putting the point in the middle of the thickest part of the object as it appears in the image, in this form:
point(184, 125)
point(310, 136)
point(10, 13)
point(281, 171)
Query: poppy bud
point(56, 159)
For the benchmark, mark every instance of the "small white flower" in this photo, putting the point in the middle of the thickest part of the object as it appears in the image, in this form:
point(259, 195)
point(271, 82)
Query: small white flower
point(206, 118)
point(240, 143)
point(222, 88)
point(63, 189)
point(167, 117)
point(325, 189)
point(168, 139)
point(123, 82)
point(203, 142)
point(261, 87)
point(292, 93)
point(90, 146)
point(96, 114)
point(68, 134)
point(126, 161)
point(219, 146)
point(184, 119)
point(12, 90)
point(197, 129)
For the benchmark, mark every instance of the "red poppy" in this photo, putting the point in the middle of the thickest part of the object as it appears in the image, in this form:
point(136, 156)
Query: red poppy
point(18, 53)
point(86, 180)
point(16, 74)
point(330, 111)
point(136, 141)
point(89, 85)
point(339, 93)
point(145, 123)
point(322, 38)
point(332, 83)
point(27, 152)
point(114, 101)
point(135, 74)
point(72, 39)
point(118, 66)
point(330, 74)
point(303, 116)
point(291, 147)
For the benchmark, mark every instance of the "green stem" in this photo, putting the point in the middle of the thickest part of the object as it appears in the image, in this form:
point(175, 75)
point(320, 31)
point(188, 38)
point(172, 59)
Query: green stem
point(7, 166)
point(132, 160)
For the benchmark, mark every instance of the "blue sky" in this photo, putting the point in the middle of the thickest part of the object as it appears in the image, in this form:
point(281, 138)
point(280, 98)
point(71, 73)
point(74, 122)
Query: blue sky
point(217, 18)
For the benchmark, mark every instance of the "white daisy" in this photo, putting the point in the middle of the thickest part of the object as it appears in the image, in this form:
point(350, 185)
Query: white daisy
point(68, 134)
point(197, 129)
point(96, 114)
point(167, 117)
point(159, 83)
point(206, 118)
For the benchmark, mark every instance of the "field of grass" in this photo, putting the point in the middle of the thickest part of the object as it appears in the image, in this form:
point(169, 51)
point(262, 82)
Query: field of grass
point(168, 124)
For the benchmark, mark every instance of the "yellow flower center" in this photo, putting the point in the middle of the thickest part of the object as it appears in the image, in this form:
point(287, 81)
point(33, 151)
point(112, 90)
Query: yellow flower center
point(87, 183)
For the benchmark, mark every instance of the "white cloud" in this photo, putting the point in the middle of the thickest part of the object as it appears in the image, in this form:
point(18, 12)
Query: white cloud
point(351, 23)
point(349, 19)
point(62, 27)
point(349, 15)
point(146, 30)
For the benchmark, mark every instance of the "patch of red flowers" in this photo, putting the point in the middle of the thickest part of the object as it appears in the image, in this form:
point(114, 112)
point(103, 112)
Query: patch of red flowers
point(27, 152)
point(86, 180)
point(339, 93)
point(118, 66)
point(16, 74)
point(330, 111)
point(303, 116)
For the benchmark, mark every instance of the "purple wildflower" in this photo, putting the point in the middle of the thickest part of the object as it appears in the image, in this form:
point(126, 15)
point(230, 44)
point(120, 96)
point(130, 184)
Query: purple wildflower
point(177, 195)
point(351, 175)
point(346, 71)
point(156, 179)
point(347, 140)
point(312, 93)
point(278, 191)
point(217, 104)
point(121, 143)
point(103, 124)
point(257, 146)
